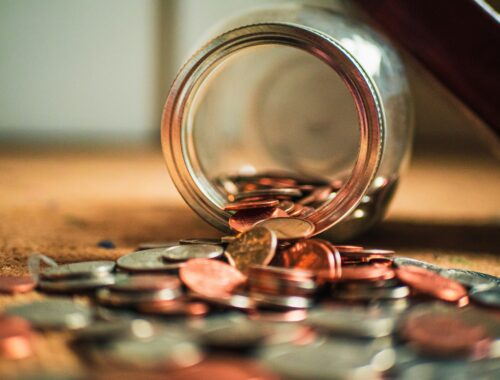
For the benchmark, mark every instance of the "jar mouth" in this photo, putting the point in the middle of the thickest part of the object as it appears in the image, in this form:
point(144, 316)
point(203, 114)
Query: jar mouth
point(176, 133)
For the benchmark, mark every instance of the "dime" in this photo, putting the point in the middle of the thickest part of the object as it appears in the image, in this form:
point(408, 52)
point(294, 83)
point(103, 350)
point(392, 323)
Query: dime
point(234, 301)
point(16, 338)
point(186, 252)
point(210, 278)
point(119, 299)
point(312, 255)
point(146, 283)
point(150, 260)
point(76, 284)
point(488, 297)
point(272, 193)
point(53, 314)
point(444, 335)
point(288, 228)
point(254, 247)
point(280, 301)
point(470, 278)
point(431, 283)
point(244, 220)
point(13, 285)
point(78, 270)
point(245, 205)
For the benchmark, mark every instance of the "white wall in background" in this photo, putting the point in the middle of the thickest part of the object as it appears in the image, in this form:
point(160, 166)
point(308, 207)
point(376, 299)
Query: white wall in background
point(78, 69)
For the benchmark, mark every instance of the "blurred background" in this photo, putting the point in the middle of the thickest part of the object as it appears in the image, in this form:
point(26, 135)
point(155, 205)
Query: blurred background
point(97, 73)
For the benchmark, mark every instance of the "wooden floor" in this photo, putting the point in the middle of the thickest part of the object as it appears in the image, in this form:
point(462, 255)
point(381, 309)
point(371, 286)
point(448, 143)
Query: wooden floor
point(61, 204)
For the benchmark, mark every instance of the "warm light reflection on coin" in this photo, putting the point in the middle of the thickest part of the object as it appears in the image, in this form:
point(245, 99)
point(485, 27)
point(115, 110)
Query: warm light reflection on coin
point(288, 228)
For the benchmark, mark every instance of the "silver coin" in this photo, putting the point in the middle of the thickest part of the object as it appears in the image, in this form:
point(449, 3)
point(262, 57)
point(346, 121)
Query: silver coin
point(104, 331)
point(79, 270)
point(146, 283)
point(396, 292)
point(470, 278)
point(235, 301)
point(288, 228)
point(150, 260)
point(209, 241)
point(438, 370)
point(275, 192)
point(243, 335)
point(120, 299)
point(488, 297)
point(356, 322)
point(155, 244)
point(77, 284)
point(160, 352)
point(53, 314)
point(403, 261)
point(328, 360)
point(280, 302)
point(186, 252)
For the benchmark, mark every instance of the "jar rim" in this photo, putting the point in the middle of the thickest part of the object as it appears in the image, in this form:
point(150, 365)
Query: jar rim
point(186, 173)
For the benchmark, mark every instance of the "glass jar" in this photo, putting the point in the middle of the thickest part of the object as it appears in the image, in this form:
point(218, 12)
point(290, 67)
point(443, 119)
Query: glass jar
point(295, 92)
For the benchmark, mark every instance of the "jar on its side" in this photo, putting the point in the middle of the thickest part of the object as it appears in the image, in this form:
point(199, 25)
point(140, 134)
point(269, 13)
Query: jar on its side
point(296, 90)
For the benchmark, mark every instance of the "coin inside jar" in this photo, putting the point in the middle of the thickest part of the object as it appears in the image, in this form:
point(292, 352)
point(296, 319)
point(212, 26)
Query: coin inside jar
point(186, 252)
point(254, 247)
point(288, 228)
point(244, 220)
point(245, 205)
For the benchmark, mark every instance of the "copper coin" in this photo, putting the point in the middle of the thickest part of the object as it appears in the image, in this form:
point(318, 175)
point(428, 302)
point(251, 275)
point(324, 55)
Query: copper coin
point(281, 273)
point(286, 206)
point(254, 247)
point(288, 228)
point(278, 193)
point(310, 254)
point(210, 278)
point(430, 283)
point(336, 258)
point(245, 205)
point(367, 273)
point(244, 220)
point(348, 248)
point(13, 285)
point(320, 194)
point(16, 338)
point(146, 283)
point(445, 335)
point(174, 308)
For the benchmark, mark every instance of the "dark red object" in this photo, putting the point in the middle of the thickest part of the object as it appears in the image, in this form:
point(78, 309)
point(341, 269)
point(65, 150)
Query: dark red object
point(457, 41)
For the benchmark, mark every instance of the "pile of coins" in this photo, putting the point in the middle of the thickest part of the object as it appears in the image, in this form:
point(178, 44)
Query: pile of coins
point(267, 303)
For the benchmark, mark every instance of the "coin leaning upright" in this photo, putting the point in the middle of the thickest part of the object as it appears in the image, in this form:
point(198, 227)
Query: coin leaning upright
point(254, 247)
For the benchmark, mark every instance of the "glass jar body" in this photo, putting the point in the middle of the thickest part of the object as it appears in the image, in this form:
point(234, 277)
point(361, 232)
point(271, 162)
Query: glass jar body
point(293, 89)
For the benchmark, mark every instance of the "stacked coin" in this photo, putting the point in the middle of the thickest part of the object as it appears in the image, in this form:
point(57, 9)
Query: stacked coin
point(73, 277)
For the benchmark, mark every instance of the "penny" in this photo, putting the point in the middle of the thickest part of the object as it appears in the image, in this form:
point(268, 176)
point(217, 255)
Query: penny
point(14, 285)
point(146, 283)
point(273, 193)
point(286, 206)
point(430, 283)
point(288, 228)
point(320, 194)
point(348, 248)
point(297, 315)
point(53, 314)
point(245, 205)
point(488, 297)
point(244, 220)
point(150, 260)
point(210, 277)
point(310, 254)
point(175, 308)
point(76, 284)
point(186, 252)
point(254, 247)
point(444, 335)
point(337, 260)
point(16, 338)
point(78, 270)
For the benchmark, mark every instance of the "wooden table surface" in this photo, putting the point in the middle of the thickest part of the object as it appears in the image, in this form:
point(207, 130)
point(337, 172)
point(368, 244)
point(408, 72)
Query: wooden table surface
point(61, 204)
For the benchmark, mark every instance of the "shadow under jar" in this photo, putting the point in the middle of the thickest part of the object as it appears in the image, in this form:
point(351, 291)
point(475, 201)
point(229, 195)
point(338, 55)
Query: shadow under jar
point(291, 97)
